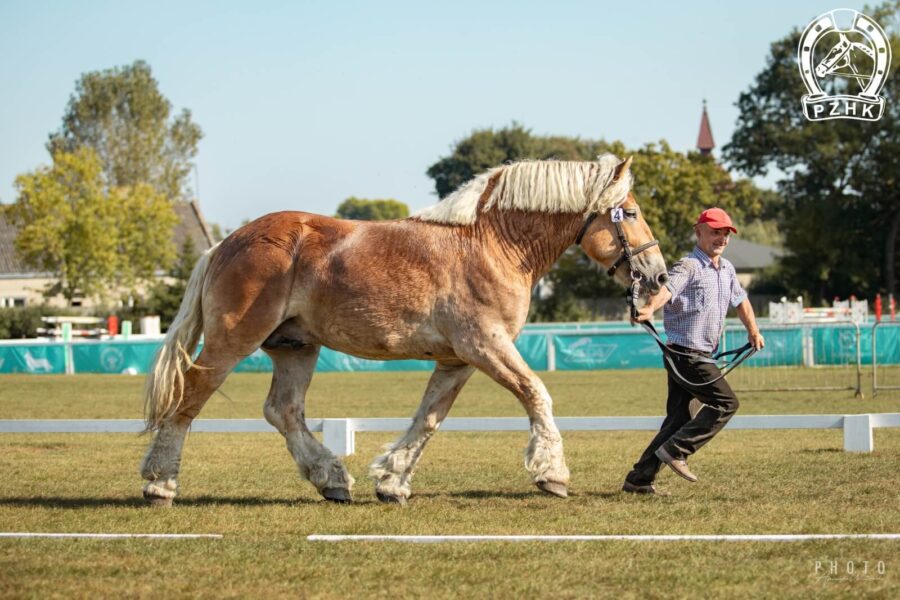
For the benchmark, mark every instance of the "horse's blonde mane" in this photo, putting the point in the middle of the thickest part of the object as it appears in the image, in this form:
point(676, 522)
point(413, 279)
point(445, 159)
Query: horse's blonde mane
point(551, 186)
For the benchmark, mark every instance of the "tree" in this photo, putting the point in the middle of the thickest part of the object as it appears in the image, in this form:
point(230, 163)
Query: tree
point(93, 237)
point(671, 187)
point(121, 114)
point(841, 211)
point(372, 210)
point(165, 298)
point(486, 148)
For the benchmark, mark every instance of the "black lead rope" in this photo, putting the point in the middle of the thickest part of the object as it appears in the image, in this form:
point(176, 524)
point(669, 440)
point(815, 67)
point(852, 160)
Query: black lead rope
point(741, 354)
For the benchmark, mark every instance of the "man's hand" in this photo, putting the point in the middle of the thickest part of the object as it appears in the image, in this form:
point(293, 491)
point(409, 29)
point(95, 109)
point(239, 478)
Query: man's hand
point(645, 314)
point(745, 313)
point(756, 339)
point(653, 304)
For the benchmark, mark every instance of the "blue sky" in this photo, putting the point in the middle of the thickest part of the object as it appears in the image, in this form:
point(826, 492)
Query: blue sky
point(306, 103)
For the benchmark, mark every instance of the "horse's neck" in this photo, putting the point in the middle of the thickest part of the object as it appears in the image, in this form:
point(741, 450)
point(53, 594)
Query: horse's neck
point(532, 241)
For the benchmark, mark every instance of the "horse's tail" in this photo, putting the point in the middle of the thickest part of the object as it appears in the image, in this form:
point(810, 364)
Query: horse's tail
point(164, 388)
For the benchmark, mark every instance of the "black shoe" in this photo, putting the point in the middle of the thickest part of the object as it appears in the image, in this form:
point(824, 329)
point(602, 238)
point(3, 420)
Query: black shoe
point(649, 489)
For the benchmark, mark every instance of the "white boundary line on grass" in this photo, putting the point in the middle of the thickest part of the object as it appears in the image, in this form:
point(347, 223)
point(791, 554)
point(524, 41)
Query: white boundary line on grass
point(106, 536)
point(431, 539)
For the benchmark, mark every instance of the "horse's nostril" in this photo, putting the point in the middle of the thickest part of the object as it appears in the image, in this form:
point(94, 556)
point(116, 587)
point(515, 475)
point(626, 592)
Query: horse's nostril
point(662, 278)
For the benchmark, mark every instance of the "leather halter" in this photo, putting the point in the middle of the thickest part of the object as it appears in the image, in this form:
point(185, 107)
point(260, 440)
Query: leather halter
point(628, 253)
point(627, 256)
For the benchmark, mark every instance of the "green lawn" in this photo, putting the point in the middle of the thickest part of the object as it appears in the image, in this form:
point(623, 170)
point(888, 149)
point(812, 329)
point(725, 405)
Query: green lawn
point(246, 487)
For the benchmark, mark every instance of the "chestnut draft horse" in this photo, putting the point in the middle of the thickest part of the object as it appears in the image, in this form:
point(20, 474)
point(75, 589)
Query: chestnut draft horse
point(450, 284)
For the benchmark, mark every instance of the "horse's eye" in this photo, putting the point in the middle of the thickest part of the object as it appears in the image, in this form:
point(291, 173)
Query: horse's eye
point(631, 213)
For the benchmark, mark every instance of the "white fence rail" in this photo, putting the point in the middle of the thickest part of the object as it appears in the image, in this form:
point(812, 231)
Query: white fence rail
point(339, 435)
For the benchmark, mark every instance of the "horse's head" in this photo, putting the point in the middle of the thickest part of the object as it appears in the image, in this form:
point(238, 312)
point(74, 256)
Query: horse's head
point(836, 57)
point(602, 240)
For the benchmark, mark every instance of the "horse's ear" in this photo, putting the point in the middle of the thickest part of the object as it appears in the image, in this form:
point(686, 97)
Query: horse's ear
point(622, 169)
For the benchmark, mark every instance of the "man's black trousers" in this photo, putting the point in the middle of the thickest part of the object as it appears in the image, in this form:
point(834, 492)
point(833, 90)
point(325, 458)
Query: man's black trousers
point(680, 434)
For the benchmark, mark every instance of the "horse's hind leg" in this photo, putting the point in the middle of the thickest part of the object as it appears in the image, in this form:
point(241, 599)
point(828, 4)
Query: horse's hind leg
point(161, 464)
point(284, 409)
point(393, 470)
point(544, 458)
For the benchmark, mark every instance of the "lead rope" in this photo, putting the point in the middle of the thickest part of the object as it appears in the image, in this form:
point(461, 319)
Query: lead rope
point(741, 354)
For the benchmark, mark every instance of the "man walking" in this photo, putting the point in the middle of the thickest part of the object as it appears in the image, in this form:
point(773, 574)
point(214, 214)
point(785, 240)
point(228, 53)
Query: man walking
point(696, 298)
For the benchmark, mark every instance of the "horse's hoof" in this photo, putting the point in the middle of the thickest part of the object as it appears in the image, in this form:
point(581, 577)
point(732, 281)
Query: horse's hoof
point(556, 489)
point(158, 501)
point(391, 499)
point(338, 495)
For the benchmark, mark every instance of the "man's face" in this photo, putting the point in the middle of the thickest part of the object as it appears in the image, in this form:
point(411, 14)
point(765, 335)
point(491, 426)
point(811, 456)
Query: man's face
point(712, 241)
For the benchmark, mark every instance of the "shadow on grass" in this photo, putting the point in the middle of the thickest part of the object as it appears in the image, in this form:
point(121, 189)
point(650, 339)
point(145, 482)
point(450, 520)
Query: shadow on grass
point(78, 503)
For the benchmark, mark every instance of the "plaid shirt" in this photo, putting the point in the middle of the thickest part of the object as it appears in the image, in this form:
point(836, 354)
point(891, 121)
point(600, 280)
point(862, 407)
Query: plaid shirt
point(695, 316)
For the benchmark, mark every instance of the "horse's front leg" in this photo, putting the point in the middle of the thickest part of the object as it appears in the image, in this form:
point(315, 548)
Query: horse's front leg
point(393, 470)
point(544, 458)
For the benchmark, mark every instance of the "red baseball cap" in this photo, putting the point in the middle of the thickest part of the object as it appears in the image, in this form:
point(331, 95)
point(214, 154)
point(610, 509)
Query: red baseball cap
point(716, 218)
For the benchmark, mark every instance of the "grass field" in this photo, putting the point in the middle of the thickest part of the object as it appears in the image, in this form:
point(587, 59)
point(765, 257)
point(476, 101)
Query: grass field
point(246, 487)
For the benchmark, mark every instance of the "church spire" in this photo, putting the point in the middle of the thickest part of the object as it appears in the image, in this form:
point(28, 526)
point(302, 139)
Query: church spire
point(705, 143)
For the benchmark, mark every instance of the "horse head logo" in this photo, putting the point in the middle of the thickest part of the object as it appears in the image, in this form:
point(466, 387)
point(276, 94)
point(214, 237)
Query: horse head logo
point(851, 63)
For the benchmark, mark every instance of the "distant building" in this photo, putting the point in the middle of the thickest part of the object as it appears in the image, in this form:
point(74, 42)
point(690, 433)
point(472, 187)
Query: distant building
point(749, 257)
point(20, 285)
point(705, 143)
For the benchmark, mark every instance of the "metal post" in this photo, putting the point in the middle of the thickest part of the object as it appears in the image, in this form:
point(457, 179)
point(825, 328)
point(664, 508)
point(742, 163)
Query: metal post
point(809, 359)
point(875, 360)
point(859, 392)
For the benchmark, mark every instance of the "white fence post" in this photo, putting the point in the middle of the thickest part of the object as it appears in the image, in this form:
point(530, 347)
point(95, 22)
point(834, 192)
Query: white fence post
point(858, 433)
point(338, 436)
point(551, 353)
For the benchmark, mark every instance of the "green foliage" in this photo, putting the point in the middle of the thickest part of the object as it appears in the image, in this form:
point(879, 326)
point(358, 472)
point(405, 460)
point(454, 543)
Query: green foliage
point(20, 322)
point(362, 209)
point(765, 232)
point(487, 148)
point(91, 236)
point(841, 210)
point(121, 114)
point(165, 299)
point(216, 231)
point(671, 187)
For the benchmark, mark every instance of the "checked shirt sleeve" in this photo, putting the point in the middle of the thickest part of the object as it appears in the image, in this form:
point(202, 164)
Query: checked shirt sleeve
point(680, 274)
point(738, 294)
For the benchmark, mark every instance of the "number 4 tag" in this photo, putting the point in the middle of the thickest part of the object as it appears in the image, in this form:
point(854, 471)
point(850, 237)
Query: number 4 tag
point(618, 214)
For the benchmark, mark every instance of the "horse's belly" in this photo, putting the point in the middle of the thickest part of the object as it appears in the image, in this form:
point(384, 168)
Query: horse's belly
point(366, 340)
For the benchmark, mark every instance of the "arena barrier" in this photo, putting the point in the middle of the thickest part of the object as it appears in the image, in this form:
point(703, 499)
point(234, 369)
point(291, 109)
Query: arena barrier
point(339, 435)
point(886, 353)
point(544, 347)
point(831, 353)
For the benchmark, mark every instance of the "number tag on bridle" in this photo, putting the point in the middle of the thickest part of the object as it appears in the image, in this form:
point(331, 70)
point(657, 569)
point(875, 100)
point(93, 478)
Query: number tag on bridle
point(618, 215)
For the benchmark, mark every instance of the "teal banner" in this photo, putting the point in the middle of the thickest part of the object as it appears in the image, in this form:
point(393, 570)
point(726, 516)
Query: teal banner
point(607, 351)
point(130, 357)
point(784, 347)
point(887, 338)
point(835, 345)
point(533, 349)
point(612, 347)
point(33, 358)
